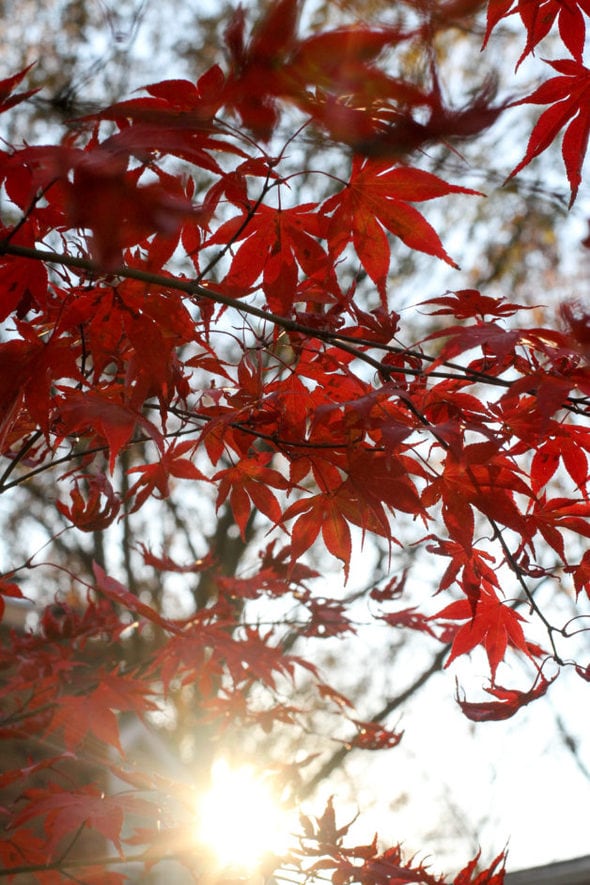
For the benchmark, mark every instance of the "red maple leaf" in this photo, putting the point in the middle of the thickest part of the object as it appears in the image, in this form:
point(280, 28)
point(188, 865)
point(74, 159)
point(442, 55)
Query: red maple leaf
point(473, 875)
point(550, 516)
point(538, 17)
point(65, 812)
point(257, 66)
point(377, 198)
point(156, 477)
point(339, 61)
point(274, 244)
point(374, 736)
point(509, 702)
point(29, 369)
point(23, 284)
point(7, 99)
point(315, 514)
point(410, 618)
point(95, 511)
point(569, 97)
point(165, 563)
point(477, 475)
point(248, 483)
point(173, 104)
point(469, 303)
point(117, 593)
point(491, 337)
point(105, 417)
point(491, 623)
point(79, 716)
point(8, 588)
point(107, 199)
point(581, 575)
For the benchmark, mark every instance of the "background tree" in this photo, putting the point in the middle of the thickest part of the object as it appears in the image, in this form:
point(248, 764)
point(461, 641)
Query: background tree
point(129, 371)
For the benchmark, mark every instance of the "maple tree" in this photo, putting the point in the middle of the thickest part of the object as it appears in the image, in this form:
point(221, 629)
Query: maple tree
point(175, 317)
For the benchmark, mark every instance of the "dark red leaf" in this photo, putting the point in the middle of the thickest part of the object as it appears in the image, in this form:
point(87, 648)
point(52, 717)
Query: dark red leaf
point(509, 702)
point(7, 99)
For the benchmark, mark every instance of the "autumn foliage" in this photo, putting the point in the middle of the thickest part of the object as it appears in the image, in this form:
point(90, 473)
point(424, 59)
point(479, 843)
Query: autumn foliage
point(221, 344)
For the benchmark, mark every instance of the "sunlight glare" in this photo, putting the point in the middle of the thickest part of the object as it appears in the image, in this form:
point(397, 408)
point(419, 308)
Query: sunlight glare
point(239, 820)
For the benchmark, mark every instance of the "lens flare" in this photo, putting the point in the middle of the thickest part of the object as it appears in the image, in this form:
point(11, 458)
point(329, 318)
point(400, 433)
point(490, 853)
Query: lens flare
point(239, 820)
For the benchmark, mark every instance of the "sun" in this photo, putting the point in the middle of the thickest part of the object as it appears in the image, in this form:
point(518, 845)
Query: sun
point(239, 820)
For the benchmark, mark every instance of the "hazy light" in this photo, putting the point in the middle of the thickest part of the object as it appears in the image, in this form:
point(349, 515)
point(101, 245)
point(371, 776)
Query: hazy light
point(239, 820)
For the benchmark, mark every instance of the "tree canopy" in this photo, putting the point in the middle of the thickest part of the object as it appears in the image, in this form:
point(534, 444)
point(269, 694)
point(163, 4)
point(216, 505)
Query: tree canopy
point(198, 300)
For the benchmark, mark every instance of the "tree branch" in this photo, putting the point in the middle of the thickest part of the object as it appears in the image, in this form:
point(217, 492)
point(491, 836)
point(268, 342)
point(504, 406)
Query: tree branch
point(340, 755)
